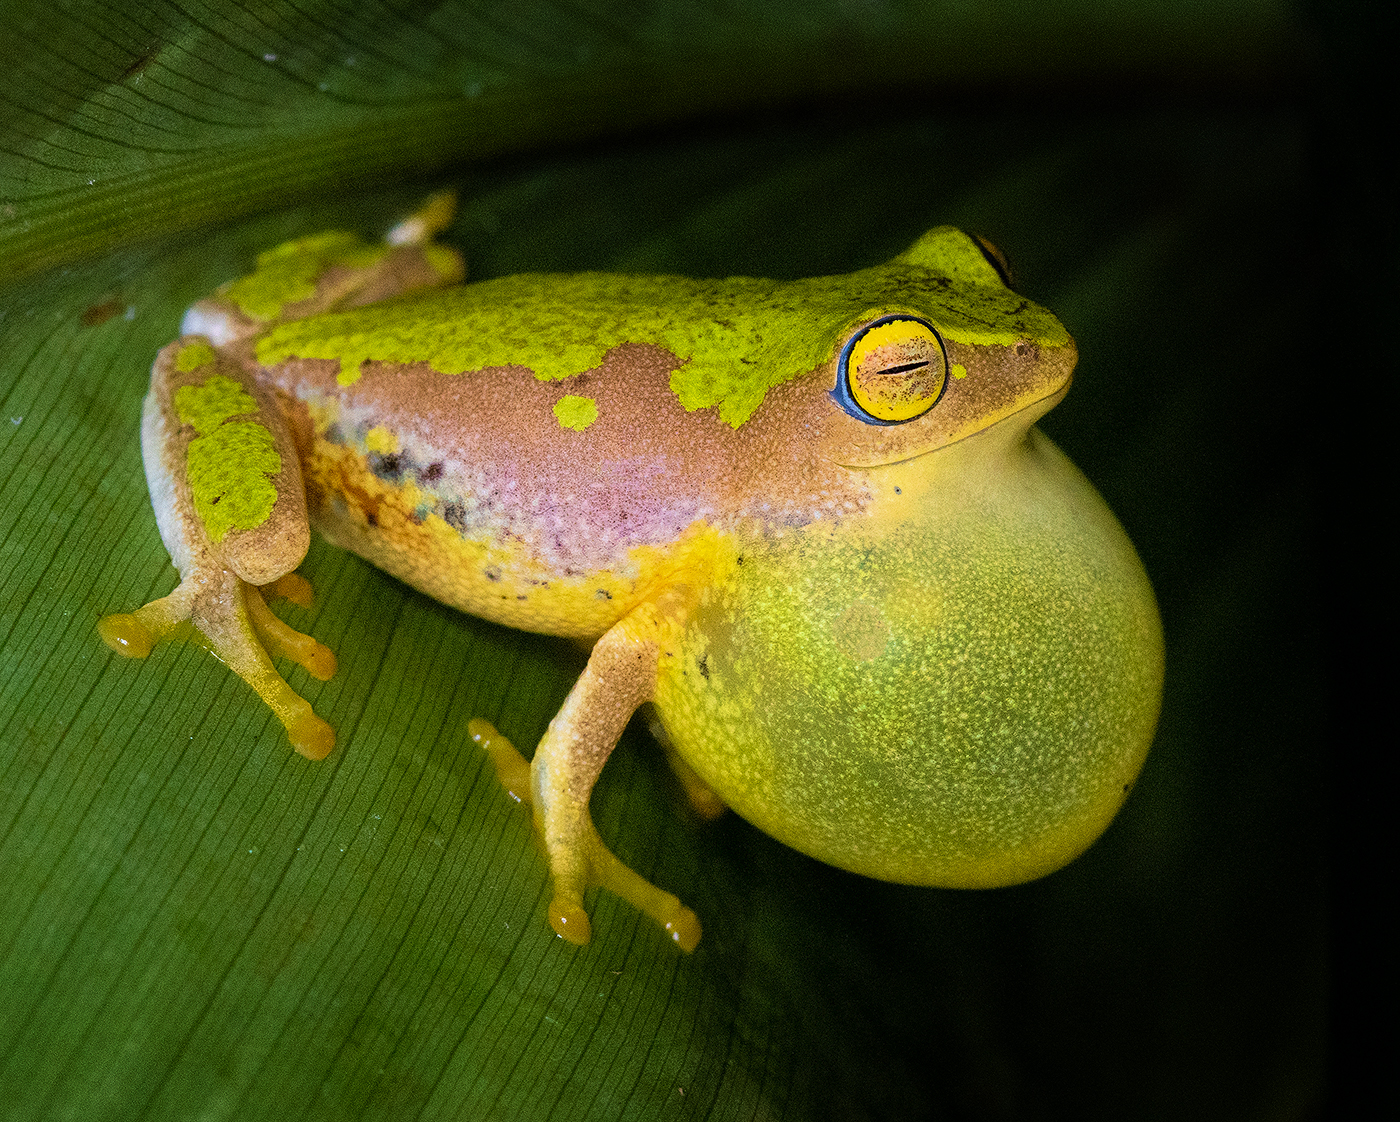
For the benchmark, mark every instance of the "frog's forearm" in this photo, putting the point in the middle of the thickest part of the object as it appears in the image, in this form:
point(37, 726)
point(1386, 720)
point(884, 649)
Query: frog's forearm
point(619, 677)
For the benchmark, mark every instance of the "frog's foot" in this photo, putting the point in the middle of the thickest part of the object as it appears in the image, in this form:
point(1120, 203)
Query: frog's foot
point(579, 860)
point(239, 628)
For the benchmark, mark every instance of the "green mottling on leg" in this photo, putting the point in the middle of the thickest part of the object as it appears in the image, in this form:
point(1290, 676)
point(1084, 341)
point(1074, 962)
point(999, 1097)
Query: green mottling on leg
point(289, 272)
point(228, 472)
point(228, 464)
point(194, 355)
point(210, 404)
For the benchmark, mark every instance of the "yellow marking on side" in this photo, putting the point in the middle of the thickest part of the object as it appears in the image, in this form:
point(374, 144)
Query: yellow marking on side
point(381, 440)
point(495, 577)
point(958, 370)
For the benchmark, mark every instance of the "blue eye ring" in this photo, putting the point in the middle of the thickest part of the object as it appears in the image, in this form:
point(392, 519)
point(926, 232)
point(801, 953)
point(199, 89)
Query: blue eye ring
point(846, 393)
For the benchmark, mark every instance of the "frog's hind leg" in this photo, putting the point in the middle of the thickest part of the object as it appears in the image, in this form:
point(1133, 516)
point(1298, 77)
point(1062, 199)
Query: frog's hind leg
point(704, 800)
point(331, 271)
point(232, 514)
point(620, 675)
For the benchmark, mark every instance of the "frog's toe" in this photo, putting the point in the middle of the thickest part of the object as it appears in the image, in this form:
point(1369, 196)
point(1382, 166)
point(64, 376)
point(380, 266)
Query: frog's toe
point(512, 769)
point(126, 635)
point(664, 908)
point(310, 735)
point(703, 798)
point(569, 920)
point(241, 630)
point(684, 928)
point(315, 658)
point(291, 586)
point(434, 216)
point(134, 634)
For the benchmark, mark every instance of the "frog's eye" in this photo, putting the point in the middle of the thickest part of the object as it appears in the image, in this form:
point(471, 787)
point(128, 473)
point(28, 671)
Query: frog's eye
point(891, 371)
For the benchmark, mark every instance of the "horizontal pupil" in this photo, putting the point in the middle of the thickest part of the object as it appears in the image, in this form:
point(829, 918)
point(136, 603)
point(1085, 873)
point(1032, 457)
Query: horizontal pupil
point(908, 366)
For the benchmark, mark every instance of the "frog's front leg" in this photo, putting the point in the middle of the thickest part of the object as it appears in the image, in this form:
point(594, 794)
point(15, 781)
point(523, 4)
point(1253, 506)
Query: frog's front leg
point(619, 677)
point(226, 486)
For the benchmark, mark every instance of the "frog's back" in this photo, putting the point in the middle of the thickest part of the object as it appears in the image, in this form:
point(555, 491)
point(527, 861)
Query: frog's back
point(549, 496)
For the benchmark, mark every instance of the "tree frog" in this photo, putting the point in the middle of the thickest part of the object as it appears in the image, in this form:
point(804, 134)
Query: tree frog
point(811, 522)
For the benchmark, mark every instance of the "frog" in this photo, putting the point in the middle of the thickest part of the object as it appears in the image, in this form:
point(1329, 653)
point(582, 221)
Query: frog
point(809, 526)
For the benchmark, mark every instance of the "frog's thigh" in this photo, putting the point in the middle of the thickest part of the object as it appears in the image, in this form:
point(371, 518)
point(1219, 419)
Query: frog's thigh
point(620, 676)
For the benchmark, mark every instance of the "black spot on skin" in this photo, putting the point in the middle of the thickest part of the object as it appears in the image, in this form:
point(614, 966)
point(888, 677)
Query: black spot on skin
point(372, 518)
point(432, 473)
point(899, 490)
point(388, 467)
point(602, 594)
point(455, 515)
point(493, 573)
point(704, 665)
point(522, 596)
point(335, 435)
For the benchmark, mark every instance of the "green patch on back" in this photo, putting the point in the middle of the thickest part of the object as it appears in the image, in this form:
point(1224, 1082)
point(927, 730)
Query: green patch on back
point(229, 463)
point(289, 272)
point(574, 412)
point(731, 340)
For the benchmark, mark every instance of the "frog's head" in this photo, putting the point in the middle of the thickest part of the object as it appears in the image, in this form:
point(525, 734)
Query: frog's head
point(939, 350)
point(953, 678)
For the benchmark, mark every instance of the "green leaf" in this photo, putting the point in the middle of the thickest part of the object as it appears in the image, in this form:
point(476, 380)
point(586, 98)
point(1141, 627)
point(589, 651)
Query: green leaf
point(124, 122)
point(197, 923)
